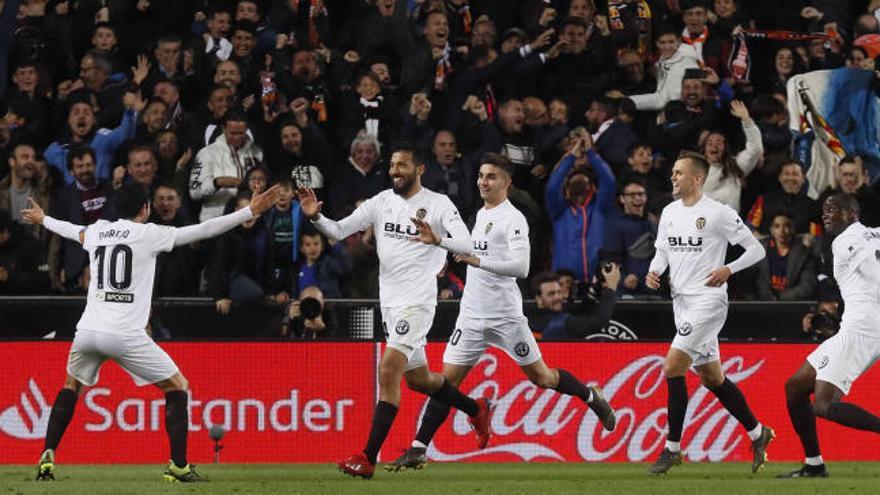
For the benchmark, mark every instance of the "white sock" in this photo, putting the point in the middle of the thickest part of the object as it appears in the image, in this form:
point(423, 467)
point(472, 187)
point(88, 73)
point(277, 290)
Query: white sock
point(673, 446)
point(755, 433)
point(814, 461)
point(419, 445)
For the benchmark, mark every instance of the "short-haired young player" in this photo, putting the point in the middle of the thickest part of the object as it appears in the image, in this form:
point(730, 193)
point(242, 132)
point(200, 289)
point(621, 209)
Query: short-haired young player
point(692, 241)
point(491, 310)
point(122, 258)
point(414, 227)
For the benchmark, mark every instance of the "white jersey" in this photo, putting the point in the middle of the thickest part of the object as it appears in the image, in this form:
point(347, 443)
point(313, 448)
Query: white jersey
point(407, 268)
point(695, 240)
point(500, 234)
point(122, 266)
point(856, 253)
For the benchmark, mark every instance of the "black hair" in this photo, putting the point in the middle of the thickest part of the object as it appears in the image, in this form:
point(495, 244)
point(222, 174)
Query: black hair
point(234, 114)
point(846, 201)
point(498, 160)
point(129, 200)
point(77, 152)
point(247, 26)
point(541, 279)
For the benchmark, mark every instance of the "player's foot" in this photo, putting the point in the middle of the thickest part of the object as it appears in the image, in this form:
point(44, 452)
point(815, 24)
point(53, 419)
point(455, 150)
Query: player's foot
point(46, 467)
point(806, 471)
point(602, 408)
point(357, 465)
point(665, 462)
point(759, 448)
point(185, 474)
point(412, 458)
point(480, 422)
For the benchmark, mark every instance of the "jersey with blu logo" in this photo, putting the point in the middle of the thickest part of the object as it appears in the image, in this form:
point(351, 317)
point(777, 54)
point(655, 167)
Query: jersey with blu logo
point(499, 234)
point(122, 267)
point(695, 240)
point(407, 268)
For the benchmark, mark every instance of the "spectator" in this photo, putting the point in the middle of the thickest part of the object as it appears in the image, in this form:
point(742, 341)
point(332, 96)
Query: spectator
point(578, 207)
point(519, 145)
point(238, 262)
point(786, 63)
point(567, 286)
point(675, 59)
point(153, 119)
point(19, 260)
point(630, 238)
point(27, 94)
point(321, 269)
point(23, 182)
point(209, 125)
point(256, 180)
point(249, 11)
point(852, 178)
point(82, 129)
point(216, 39)
point(174, 162)
point(361, 178)
point(142, 168)
point(554, 323)
point(685, 124)
point(220, 166)
point(308, 318)
point(177, 271)
point(632, 78)
point(284, 223)
point(82, 203)
point(96, 74)
point(788, 272)
point(771, 117)
point(366, 109)
point(584, 67)
point(641, 165)
point(613, 138)
point(305, 80)
point(228, 73)
point(178, 119)
point(303, 155)
point(726, 173)
point(790, 197)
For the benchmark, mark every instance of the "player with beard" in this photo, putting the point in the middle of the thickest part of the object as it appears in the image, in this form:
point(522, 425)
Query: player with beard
point(692, 241)
point(831, 369)
point(491, 310)
point(415, 227)
point(123, 267)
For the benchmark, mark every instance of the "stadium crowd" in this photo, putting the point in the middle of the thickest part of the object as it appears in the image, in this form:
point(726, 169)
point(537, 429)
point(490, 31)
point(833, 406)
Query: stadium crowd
point(205, 103)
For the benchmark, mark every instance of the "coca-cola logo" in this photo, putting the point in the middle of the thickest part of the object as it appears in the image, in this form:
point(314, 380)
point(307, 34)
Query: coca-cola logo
point(534, 424)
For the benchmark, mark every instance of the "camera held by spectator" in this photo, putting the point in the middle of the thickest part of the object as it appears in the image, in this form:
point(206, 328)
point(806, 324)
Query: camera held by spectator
point(823, 320)
point(307, 317)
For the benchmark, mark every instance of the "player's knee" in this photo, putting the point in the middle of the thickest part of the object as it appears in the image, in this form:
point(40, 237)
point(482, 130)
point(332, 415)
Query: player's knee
point(821, 408)
point(712, 382)
point(387, 376)
point(792, 387)
point(671, 369)
point(543, 380)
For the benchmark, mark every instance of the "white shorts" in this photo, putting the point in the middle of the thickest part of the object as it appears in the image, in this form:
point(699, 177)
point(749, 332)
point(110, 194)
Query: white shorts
point(841, 359)
point(698, 321)
point(472, 336)
point(137, 354)
point(406, 329)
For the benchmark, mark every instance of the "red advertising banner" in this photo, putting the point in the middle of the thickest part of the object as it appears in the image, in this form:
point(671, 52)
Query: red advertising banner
point(312, 402)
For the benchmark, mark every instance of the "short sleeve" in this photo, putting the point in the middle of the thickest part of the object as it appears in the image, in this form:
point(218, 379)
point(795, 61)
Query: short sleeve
point(518, 234)
point(732, 227)
point(160, 237)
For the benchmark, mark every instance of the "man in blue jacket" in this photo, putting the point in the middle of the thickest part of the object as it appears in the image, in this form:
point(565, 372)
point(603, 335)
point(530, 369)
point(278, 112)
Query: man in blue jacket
point(580, 195)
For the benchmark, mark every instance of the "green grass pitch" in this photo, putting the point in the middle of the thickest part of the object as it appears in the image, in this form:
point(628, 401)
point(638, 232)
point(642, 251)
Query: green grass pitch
point(448, 479)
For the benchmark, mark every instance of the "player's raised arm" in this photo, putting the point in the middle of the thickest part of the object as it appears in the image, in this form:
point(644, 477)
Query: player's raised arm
point(216, 226)
point(359, 220)
point(36, 215)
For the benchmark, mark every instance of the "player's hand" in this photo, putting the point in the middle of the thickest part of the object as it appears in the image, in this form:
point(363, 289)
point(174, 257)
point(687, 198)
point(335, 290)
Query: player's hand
point(718, 277)
point(426, 233)
point(223, 306)
point(34, 214)
point(309, 203)
point(265, 200)
point(652, 280)
point(467, 258)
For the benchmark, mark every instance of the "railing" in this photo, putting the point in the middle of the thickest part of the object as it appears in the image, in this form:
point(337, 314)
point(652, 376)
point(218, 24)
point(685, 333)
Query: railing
point(355, 319)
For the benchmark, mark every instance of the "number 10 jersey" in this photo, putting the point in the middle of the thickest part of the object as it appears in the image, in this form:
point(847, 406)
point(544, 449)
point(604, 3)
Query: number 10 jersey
point(122, 264)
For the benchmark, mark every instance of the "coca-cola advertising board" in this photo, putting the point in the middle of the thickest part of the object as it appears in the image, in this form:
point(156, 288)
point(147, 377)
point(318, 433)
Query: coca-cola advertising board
point(312, 402)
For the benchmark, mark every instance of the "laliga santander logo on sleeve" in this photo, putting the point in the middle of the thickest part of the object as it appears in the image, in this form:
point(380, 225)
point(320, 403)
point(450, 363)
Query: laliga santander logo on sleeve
point(534, 424)
point(27, 419)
